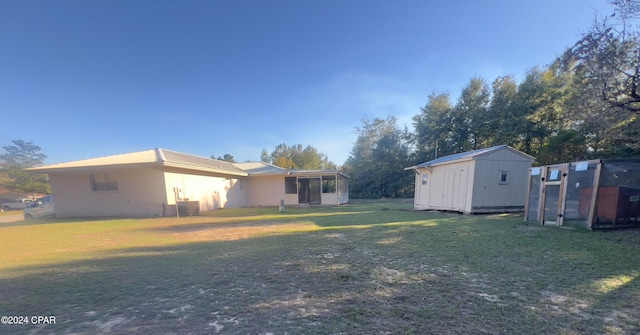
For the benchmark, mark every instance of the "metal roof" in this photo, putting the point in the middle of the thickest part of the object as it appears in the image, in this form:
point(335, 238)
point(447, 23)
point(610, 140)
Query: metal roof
point(261, 168)
point(167, 158)
point(266, 169)
point(467, 156)
point(182, 160)
point(155, 157)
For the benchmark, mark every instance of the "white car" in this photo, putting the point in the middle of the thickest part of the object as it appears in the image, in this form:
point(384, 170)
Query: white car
point(16, 204)
point(40, 208)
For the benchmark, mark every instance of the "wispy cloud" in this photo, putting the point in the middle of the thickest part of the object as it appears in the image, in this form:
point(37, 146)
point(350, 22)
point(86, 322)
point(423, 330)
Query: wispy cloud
point(325, 115)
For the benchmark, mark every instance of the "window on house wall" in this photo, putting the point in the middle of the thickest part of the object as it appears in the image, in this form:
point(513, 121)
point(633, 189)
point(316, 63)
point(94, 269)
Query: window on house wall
point(290, 185)
point(425, 178)
point(504, 177)
point(103, 182)
point(329, 184)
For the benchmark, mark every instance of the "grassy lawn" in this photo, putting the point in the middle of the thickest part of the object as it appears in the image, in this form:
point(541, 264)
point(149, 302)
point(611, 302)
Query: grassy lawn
point(365, 268)
point(9, 213)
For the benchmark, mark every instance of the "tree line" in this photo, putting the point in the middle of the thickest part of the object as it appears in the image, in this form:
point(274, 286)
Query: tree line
point(584, 105)
point(297, 157)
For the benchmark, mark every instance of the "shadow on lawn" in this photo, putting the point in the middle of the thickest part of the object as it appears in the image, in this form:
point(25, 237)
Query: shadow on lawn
point(325, 217)
point(268, 287)
point(325, 220)
point(405, 279)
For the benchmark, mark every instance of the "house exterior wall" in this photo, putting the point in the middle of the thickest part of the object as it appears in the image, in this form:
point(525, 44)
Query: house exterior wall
point(149, 192)
point(268, 191)
point(239, 196)
point(140, 194)
point(211, 192)
point(489, 194)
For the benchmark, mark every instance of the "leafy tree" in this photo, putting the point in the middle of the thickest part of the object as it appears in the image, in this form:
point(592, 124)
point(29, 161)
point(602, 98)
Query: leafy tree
point(264, 156)
point(564, 146)
point(22, 155)
point(377, 160)
point(585, 104)
point(286, 156)
point(605, 69)
point(502, 121)
point(539, 103)
point(470, 116)
point(227, 158)
point(605, 129)
point(15, 160)
point(391, 156)
point(609, 59)
point(433, 127)
point(297, 157)
point(628, 9)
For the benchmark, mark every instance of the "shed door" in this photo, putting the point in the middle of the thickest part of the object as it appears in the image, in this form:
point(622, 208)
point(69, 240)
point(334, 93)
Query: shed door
point(455, 189)
point(423, 188)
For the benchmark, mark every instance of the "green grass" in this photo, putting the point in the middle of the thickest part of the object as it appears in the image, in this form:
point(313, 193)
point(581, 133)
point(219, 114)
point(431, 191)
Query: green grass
point(366, 268)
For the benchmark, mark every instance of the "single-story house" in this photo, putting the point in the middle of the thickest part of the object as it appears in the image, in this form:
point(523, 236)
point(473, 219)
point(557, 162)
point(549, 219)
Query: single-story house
point(480, 181)
point(160, 182)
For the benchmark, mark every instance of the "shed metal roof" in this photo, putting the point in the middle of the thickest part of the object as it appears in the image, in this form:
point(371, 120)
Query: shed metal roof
point(468, 156)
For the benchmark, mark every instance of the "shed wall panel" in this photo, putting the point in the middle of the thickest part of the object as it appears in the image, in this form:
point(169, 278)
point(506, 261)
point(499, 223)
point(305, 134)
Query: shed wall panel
point(489, 192)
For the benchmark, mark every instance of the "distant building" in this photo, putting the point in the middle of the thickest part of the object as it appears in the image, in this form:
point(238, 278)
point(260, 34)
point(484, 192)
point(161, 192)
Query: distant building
point(479, 181)
point(156, 182)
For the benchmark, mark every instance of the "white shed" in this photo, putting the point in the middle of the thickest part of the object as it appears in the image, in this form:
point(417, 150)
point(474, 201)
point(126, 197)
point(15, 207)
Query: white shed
point(480, 181)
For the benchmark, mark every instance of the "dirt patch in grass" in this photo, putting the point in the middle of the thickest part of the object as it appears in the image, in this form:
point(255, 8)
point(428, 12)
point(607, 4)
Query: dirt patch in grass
point(234, 230)
point(187, 228)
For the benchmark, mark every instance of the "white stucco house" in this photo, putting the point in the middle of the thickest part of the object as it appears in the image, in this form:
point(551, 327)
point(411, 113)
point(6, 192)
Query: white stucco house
point(158, 182)
point(480, 181)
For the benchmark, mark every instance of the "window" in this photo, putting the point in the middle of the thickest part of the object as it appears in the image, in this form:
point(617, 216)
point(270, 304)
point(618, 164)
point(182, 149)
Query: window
point(425, 177)
point(290, 185)
point(504, 177)
point(103, 182)
point(329, 184)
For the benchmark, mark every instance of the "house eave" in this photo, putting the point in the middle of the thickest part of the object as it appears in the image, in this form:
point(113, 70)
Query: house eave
point(88, 168)
point(155, 165)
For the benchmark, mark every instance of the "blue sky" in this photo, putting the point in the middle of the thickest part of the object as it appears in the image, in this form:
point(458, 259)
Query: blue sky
point(84, 79)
